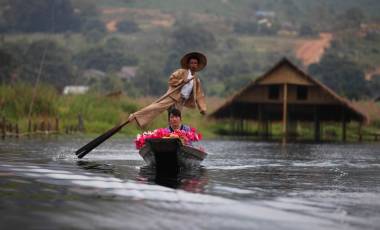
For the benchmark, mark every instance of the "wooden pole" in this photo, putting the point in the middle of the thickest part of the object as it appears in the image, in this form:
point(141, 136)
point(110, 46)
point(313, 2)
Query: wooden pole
point(80, 126)
point(265, 123)
point(10, 128)
point(285, 115)
point(360, 135)
point(317, 125)
point(17, 131)
point(42, 126)
point(269, 129)
point(29, 126)
point(344, 125)
point(260, 122)
point(57, 124)
point(3, 131)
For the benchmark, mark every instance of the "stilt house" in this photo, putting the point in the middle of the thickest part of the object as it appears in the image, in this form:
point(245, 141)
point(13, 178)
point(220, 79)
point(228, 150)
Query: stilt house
point(287, 94)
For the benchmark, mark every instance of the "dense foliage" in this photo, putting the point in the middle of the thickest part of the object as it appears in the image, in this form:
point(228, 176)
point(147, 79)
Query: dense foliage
point(341, 75)
point(61, 41)
point(39, 16)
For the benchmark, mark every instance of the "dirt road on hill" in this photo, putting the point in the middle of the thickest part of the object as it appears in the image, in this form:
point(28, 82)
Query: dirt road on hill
point(311, 51)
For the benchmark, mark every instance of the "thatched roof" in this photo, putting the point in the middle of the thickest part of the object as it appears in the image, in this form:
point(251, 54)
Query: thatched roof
point(226, 110)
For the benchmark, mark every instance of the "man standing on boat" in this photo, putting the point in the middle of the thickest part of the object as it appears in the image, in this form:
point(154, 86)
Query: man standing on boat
point(191, 94)
point(184, 90)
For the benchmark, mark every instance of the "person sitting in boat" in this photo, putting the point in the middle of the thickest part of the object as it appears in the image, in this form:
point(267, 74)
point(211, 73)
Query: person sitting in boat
point(175, 121)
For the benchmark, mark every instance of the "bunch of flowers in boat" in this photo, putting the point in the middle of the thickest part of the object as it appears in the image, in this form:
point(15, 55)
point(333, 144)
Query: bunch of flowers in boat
point(186, 137)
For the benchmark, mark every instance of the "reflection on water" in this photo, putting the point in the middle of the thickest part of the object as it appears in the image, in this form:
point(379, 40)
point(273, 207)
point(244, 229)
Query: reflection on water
point(241, 185)
point(96, 167)
point(191, 180)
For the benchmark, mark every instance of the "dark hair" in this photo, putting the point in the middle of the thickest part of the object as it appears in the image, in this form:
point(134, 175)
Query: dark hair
point(175, 112)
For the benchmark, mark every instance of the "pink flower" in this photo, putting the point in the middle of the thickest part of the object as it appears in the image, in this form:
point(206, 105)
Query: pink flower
point(186, 137)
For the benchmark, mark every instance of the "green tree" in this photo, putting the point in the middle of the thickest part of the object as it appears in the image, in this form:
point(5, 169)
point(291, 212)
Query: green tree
point(7, 65)
point(245, 27)
point(307, 31)
point(104, 59)
point(93, 24)
point(54, 61)
point(351, 18)
point(150, 80)
point(127, 26)
point(341, 75)
point(192, 37)
point(374, 86)
point(40, 16)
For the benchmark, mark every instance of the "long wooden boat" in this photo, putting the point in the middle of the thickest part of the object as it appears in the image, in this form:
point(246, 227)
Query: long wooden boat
point(170, 154)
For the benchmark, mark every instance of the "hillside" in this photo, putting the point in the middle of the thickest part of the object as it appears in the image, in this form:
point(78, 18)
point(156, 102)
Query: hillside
point(133, 45)
point(290, 10)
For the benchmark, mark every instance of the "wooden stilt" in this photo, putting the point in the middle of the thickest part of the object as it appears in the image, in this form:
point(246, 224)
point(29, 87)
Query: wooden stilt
point(80, 126)
point(260, 121)
point(42, 126)
point(344, 125)
point(29, 126)
point(317, 125)
point(269, 129)
point(285, 115)
point(265, 129)
point(360, 137)
point(57, 124)
point(17, 131)
point(3, 128)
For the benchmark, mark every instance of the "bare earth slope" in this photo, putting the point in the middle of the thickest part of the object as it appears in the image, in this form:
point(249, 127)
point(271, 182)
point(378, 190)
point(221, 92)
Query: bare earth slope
point(311, 51)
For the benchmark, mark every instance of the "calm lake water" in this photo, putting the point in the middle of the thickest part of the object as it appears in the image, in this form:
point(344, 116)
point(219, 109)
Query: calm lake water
point(242, 185)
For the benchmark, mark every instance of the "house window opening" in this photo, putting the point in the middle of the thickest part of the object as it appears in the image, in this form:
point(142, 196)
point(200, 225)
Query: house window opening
point(274, 92)
point(301, 93)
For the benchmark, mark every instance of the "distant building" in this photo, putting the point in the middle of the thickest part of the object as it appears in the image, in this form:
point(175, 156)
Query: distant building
point(127, 72)
point(75, 89)
point(265, 14)
point(93, 74)
point(372, 28)
point(264, 22)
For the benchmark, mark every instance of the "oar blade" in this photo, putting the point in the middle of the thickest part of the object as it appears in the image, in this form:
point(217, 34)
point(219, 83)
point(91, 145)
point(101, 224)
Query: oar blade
point(83, 151)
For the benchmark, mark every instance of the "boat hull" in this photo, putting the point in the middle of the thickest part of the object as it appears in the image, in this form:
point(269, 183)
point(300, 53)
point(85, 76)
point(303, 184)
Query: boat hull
point(170, 154)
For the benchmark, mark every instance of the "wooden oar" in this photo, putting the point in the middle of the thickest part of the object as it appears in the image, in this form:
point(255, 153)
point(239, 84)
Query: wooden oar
point(100, 139)
point(97, 141)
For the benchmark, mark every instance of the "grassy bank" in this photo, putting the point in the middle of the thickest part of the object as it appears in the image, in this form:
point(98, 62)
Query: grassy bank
point(100, 113)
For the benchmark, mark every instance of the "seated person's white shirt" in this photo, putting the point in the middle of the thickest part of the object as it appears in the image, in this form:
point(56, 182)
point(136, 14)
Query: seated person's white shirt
point(186, 89)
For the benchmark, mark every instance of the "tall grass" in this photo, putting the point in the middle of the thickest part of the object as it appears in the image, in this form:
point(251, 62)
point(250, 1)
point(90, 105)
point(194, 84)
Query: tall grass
point(98, 112)
point(16, 100)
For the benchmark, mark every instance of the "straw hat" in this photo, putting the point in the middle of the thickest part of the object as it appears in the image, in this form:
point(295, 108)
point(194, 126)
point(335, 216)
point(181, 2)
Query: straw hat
point(201, 58)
